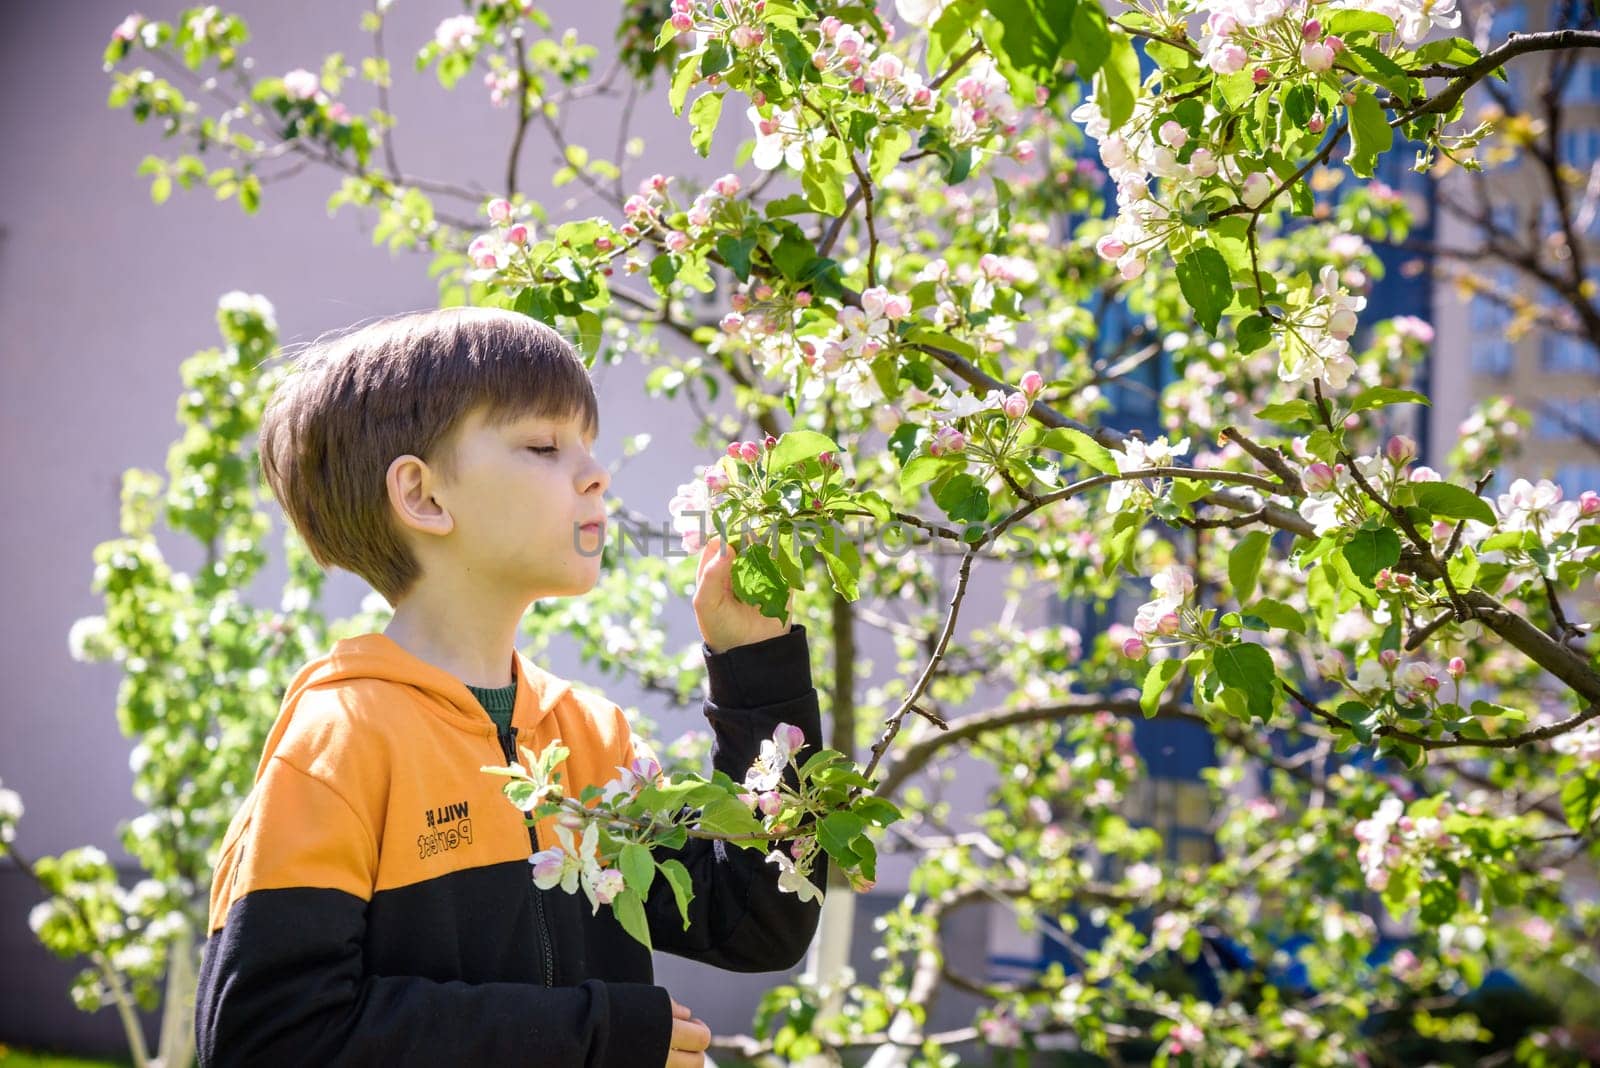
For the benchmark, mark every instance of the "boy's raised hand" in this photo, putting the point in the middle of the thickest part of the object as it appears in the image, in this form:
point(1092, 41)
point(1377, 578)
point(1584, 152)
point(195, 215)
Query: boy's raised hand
point(690, 1039)
point(725, 621)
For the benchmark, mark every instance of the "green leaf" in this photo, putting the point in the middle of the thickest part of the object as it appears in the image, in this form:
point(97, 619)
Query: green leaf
point(1380, 396)
point(1117, 82)
point(703, 116)
point(638, 868)
point(877, 810)
point(824, 188)
point(1206, 284)
point(1580, 798)
point(1370, 550)
point(1438, 901)
point(1288, 412)
point(963, 498)
point(1277, 614)
point(1247, 669)
point(1252, 333)
point(1451, 501)
point(735, 252)
point(682, 886)
point(1032, 34)
point(835, 833)
point(590, 334)
point(1080, 446)
point(927, 468)
point(757, 581)
point(1244, 563)
point(1370, 131)
point(629, 911)
point(1156, 680)
point(796, 446)
point(1089, 42)
point(728, 815)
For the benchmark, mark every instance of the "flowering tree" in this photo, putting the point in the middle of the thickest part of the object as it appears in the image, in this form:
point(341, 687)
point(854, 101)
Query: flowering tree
point(914, 268)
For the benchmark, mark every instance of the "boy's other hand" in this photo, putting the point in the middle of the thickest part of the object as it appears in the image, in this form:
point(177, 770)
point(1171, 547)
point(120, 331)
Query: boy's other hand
point(725, 621)
point(690, 1038)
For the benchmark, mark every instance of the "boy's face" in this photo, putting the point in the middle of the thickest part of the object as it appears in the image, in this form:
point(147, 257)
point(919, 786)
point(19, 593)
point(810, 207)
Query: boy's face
point(527, 509)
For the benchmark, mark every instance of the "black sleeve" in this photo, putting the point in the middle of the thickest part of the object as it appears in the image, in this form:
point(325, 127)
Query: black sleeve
point(281, 983)
point(739, 919)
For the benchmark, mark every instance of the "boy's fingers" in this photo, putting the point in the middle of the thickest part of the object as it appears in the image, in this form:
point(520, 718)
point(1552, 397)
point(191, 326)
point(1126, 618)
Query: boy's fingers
point(680, 1012)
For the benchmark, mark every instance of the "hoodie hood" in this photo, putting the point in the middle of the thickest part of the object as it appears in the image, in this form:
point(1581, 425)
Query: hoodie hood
point(378, 656)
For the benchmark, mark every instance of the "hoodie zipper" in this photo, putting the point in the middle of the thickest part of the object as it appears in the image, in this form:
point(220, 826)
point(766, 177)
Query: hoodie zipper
point(508, 746)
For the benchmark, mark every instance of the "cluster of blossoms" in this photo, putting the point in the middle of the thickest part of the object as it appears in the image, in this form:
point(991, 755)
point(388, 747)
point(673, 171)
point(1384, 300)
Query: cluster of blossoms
point(492, 252)
point(763, 790)
point(501, 85)
point(845, 52)
point(576, 864)
point(1138, 455)
point(1318, 340)
point(947, 438)
point(459, 33)
point(1275, 40)
point(968, 291)
point(1332, 496)
point(1414, 682)
point(1385, 836)
point(1160, 616)
point(1539, 507)
point(646, 209)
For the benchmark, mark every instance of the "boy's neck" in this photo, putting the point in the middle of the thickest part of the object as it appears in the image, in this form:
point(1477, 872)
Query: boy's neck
point(474, 643)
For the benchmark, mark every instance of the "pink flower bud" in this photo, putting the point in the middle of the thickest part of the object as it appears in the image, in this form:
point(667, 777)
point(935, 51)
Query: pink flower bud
point(858, 84)
point(517, 235)
point(499, 209)
point(1168, 624)
point(1261, 76)
point(677, 241)
point(802, 299)
point(1388, 658)
point(717, 480)
point(1334, 42)
point(830, 27)
point(1134, 648)
point(1311, 30)
point(1430, 683)
point(603, 244)
point(1032, 383)
point(1400, 450)
point(1174, 135)
point(745, 37)
point(1588, 503)
point(683, 22)
point(726, 186)
point(1319, 478)
point(749, 452)
point(1024, 151)
point(1223, 24)
point(1456, 668)
point(770, 442)
point(763, 292)
point(1382, 580)
point(740, 301)
point(1351, 422)
point(1317, 123)
point(1015, 405)
point(770, 803)
point(789, 737)
point(732, 322)
point(1110, 248)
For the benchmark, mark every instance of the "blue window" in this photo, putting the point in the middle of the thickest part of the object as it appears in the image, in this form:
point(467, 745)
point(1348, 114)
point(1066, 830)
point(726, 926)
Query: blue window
point(1583, 84)
point(1579, 146)
point(1558, 418)
point(1491, 352)
point(1565, 354)
point(1576, 478)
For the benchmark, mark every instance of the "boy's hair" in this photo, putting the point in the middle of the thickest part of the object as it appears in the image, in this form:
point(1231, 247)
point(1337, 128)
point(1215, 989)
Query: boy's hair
point(403, 384)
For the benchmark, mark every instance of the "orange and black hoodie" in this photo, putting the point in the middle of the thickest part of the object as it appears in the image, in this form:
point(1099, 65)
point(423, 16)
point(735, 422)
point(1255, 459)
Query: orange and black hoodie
point(373, 901)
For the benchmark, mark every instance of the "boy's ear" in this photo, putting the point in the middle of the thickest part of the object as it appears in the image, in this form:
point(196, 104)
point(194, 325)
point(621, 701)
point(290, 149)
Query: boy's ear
point(411, 485)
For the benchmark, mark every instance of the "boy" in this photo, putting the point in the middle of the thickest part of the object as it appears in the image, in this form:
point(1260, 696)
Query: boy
point(373, 902)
